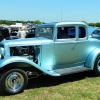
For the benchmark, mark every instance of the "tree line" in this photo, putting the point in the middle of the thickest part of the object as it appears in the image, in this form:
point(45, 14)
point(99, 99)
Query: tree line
point(9, 22)
point(94, 24)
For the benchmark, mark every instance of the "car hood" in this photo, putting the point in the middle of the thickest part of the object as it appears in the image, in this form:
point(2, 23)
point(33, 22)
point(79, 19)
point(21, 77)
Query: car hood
point(25, 42)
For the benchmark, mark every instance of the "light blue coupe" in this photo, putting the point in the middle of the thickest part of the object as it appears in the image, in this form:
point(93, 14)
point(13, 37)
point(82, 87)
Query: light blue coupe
point(57, 49)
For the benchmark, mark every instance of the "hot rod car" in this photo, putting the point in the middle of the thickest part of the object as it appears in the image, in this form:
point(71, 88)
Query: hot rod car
point(57, 49)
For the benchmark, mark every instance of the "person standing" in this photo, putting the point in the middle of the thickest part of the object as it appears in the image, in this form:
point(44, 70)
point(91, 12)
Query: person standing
point(21, 33)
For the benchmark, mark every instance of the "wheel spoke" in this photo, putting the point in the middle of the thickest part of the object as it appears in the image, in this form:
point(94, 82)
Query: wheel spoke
point(14, 81)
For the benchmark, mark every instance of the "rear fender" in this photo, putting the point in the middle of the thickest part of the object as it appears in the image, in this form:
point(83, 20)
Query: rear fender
point(91, 58)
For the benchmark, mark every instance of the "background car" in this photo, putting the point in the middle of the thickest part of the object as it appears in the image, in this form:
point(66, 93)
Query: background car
point(14, 31)
point(96, 33)
point(4, 34)
point(31, 33)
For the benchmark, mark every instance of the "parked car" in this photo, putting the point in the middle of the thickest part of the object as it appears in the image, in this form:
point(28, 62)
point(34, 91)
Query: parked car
point(31, 33)
point(4, 34)
point(57, 49)
point(14, 31)
point(96, 33)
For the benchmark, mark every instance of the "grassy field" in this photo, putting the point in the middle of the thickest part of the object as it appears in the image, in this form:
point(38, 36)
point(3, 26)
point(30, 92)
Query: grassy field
point(80, 86)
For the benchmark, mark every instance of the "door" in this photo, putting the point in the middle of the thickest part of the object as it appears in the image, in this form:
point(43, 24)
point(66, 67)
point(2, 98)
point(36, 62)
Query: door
point(66, 47)
point(65, 52)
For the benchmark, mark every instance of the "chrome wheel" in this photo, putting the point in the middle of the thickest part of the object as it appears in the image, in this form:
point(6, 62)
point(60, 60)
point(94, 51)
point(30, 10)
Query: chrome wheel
point(14, 82)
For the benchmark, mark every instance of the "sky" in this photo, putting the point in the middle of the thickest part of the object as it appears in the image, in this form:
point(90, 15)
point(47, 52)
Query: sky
point(50, 10)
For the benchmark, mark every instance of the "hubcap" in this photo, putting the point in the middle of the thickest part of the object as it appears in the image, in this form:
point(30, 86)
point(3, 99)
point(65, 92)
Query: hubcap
point(98, 65)
point(14, 82)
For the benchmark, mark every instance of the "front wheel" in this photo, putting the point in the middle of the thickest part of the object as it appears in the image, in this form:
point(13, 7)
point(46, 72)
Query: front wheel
point(97, 66)
point(13, 81)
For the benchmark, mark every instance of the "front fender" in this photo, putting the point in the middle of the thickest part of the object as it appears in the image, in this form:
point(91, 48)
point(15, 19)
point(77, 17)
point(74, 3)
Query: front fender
point(91, 58)
point(15, 59)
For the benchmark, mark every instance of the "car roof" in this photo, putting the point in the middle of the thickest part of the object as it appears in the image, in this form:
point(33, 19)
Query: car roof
point(64, 23)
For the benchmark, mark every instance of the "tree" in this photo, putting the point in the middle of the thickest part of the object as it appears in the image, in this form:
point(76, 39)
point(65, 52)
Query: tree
point(92, 24)
point(98, 24)
point(37, 22)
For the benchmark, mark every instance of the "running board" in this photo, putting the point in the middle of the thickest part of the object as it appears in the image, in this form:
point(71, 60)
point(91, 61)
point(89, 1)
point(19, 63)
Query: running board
point(66, 71)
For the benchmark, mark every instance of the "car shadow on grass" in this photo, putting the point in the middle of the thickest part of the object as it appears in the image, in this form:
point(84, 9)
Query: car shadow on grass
point(46, 81)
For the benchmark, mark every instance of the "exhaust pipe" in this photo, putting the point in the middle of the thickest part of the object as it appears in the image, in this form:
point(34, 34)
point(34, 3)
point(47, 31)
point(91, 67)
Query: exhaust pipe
point(32, 74)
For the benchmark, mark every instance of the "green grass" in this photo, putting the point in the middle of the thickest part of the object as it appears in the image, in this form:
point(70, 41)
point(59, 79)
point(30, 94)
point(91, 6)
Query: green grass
point(80, 86)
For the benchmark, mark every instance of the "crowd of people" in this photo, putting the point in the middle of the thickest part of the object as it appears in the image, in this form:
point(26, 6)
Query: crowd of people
point(21, 32)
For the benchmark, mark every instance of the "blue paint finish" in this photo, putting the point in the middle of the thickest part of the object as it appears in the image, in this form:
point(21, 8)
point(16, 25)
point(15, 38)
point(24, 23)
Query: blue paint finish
point(56, 56)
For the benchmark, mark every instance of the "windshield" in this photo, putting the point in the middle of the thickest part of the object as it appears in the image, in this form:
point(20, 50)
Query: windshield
point(44, 32)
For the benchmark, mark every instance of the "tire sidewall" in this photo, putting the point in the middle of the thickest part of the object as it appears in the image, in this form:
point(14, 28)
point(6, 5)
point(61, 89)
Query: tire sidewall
point(97, 72)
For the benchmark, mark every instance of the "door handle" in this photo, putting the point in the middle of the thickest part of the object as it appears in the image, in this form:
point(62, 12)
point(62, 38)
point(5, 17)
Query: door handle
point(75, 42)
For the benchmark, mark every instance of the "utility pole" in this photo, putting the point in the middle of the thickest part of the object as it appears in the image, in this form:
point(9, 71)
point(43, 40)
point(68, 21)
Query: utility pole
point(61, 15)
point(57, 18)
point(43, 19)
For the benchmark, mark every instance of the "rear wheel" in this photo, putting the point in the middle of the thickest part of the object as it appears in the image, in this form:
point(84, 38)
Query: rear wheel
point(13, 81)
point(97, 66)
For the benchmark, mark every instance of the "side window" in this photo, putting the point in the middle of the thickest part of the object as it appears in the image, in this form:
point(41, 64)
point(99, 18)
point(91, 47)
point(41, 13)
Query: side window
point(82, 32)
point(66, 32)
point(71, 32)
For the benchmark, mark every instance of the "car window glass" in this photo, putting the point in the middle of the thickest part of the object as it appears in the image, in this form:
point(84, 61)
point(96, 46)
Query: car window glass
point(96, 32)
point(66, 32)
point(81, 32)
point(44, 32)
